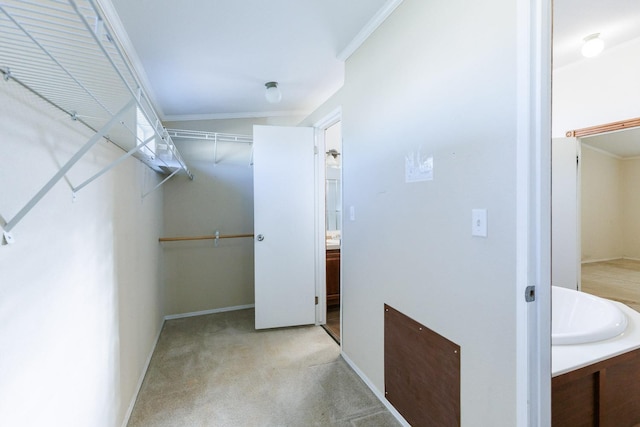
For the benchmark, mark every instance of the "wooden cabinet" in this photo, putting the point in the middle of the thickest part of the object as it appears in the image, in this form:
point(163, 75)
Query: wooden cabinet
point(333, 277)
point(605, 394)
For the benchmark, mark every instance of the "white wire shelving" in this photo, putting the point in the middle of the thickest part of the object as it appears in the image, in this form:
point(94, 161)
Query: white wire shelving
point(65, 52)
point(214, 137)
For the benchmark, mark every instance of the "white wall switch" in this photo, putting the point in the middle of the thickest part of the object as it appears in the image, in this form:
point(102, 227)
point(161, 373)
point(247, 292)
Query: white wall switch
point(352, 213)
point(479, 222)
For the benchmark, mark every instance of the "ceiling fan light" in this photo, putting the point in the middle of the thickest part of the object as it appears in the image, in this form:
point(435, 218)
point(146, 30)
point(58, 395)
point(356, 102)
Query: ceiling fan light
point(272, 94)
point(592, 46)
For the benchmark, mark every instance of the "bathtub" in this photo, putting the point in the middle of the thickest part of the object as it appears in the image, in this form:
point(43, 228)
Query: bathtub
point(586, 329)
point(580, 318)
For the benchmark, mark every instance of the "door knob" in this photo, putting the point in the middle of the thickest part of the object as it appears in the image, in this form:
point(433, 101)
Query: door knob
point(260, 237)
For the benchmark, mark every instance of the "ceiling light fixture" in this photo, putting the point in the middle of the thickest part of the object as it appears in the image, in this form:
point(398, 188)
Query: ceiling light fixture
point(592, 46)
point(332, 158)
point(272, 93)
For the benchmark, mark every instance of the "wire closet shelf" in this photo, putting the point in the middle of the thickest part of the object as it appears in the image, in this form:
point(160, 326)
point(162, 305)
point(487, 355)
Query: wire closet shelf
point(66, 53)
point(215, 137)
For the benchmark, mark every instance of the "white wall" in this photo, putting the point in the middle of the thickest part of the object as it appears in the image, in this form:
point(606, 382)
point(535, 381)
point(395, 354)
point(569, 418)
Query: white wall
point(565, 254)
point(591, 92)
point(200, 276)
point(610, 206)
point(631, 213)
point(410, 245)
point(601, 206)
point(598, 90)
point(81, 295)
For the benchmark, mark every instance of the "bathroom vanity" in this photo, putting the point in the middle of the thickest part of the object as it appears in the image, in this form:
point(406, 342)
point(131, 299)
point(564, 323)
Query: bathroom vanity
point(603, 394)
point(596, 383)
point(333, 277)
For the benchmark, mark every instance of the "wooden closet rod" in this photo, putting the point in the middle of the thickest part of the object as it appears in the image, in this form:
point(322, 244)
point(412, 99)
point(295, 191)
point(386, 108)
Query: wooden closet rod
point(609, 127)
point(211, 237)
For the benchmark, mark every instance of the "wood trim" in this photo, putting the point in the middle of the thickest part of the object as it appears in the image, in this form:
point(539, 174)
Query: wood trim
point(609, 127)
point(212, 237)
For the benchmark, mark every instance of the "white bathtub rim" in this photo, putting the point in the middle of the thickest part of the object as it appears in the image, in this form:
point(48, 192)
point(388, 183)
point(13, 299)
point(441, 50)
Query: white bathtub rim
point(567, 358)
point(586, 318)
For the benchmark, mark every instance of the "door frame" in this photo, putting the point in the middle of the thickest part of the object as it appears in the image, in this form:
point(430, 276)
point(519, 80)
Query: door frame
point(320, 127)
point(566, 176)
point(533, 212)
point(579, 213)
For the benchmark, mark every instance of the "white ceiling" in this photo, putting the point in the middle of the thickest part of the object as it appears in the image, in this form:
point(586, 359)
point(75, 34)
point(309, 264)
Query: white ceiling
point(624, 144)
point(617, 21)
point(211, 58)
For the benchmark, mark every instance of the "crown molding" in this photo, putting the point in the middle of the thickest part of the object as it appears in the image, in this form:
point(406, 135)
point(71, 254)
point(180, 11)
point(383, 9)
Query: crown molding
point(223, 116)
point(120, 33)
point(384, 12)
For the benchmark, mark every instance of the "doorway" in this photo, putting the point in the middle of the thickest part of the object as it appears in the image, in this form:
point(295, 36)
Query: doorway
point(333, 225)
point(595, 248)
point(329, 223)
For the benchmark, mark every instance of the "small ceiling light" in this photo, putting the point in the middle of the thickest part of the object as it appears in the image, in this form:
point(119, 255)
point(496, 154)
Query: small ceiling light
point(332, 158)
point(592, 46)
point(272, 93)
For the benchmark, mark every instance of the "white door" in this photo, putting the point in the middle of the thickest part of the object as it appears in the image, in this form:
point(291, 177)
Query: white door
point(284, 226)
point(565, 219)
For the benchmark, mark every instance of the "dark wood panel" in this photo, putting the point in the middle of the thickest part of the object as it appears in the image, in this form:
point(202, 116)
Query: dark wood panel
point(575, 403)
point(333, 277)
point(620, 396)
point(421, 372)
point(604, 394)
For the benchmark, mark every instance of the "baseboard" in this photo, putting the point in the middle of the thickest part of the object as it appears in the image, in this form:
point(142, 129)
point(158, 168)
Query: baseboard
point(375, 391)
point(600, 260)
point(127, 415)
point(205, 312)
point(610, 259)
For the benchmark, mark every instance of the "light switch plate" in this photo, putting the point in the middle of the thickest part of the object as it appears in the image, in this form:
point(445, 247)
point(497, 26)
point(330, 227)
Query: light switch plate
point(479, 222)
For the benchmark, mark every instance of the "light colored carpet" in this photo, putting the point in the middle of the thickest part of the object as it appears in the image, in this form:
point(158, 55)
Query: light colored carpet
point(216, 370)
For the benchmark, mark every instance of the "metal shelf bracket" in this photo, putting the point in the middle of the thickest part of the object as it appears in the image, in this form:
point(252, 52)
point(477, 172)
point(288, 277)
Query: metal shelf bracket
point(68, 55)
point(63, 171)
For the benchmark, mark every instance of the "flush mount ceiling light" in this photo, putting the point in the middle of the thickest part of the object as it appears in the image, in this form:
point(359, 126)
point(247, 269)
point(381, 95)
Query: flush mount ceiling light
point(332, 158)
point(333, 152)
point(272, 94)
point(592, 46)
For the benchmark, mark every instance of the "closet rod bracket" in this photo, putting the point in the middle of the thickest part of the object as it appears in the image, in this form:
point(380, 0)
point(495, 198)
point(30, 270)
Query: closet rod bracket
point(7, 238)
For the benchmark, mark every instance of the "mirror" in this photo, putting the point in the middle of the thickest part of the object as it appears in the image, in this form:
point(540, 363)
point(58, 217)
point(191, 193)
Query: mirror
point(333, 173)
point(333, 197)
